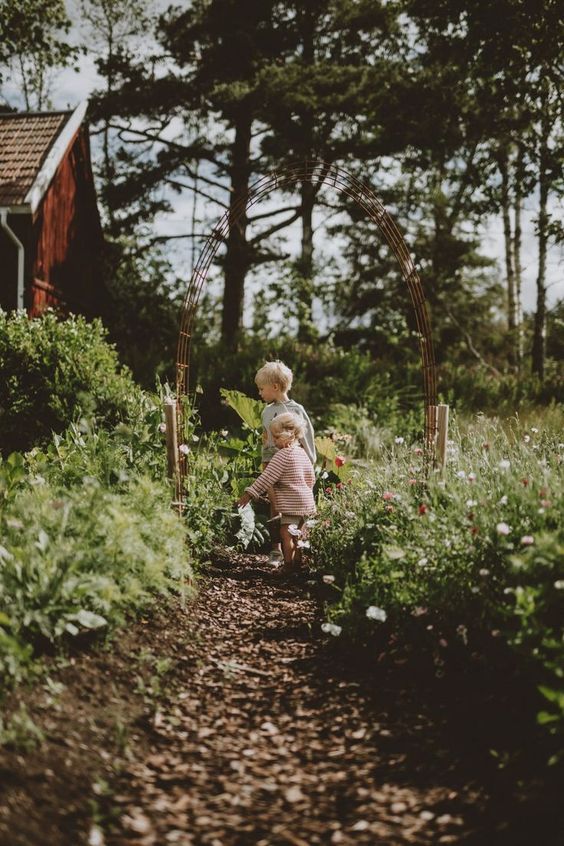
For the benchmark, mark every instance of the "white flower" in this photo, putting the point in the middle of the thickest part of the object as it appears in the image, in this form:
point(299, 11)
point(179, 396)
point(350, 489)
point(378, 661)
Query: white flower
point(559, 584)
point(331, 628)
point(375, 613)
point(328, 579)
point(508, 590)
point(448, 543)
point(503, 500)
point(470, 503)
point(422, 562)
point(162, 427)
point(534, 430)
point(309, 524)
point(461, 474)
point(474, 589)
point(184, 449)
point(527, 540)
point(526, 438)
point(303, 544)
point(294, 531)
point(224, 433)
point(502, 529)
point(399, 440)
point(504, 464)
point(484, 572)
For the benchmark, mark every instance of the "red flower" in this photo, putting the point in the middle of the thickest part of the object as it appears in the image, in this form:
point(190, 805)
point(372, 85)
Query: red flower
point(474, 530)
point(328, 490)
point(340, 460)
point(339, 485)
point(524, 482)
point(423, 508)
point(485, 446)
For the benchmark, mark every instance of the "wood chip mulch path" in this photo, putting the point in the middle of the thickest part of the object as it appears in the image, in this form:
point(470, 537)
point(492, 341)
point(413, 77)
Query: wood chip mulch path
point(234, 721)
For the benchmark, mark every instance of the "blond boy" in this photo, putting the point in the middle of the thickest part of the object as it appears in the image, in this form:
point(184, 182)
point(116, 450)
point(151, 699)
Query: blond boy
point(289, 477)
point(274, 381)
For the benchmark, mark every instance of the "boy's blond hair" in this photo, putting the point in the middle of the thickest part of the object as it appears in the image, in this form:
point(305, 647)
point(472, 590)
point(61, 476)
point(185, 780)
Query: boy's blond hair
point(275, 373)
point(288, 426)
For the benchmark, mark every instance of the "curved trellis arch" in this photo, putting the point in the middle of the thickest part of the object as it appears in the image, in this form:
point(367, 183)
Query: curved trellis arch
point(318, 172)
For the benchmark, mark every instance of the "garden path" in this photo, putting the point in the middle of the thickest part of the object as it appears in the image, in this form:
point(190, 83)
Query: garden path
point(274, 739)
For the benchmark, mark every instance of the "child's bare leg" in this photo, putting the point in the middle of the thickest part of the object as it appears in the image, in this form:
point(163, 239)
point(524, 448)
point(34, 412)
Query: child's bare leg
point(273, 528)
point(288, 546)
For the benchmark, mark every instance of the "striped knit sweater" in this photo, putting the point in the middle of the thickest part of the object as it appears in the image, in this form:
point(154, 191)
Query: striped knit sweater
point(290, 474)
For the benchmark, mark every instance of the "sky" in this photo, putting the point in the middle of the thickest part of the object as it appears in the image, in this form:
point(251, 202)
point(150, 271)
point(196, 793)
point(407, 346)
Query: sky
point(70, 87)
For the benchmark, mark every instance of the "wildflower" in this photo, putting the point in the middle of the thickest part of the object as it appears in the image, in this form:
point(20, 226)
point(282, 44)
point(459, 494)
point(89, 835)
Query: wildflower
point(503, 500)
point(419, 451)
point(507, 590)
point(331, 628)
point(484, 571)
point(534, 430)
point(471, 503)
point(527, 438)
point(485, 445)
point(184, 449)
point(474, 530)
point(389, 508)
point(224, 433)
point(475, 589)
point(527, 540)
point(329, 490)
point(463, 632)
point(471, 477)
point(502, 529)
point(524, 482)
point(422, 562)
point(448, 543)
point(546, 503)
point(496, 632)
point(504, 464)
point(443, 643)
point(388, 495)
point(559, 584)
point(422, 508)
point(310, 523)
point(294, 531)
point(162, 428)
point(339, 460)
point(303, 544)
point(339, 485)
point(399, 439)
point(412, 481)
point(328, 579)
point(375, 613)
point(543, 492)
point(461, 474)
point(419, 611)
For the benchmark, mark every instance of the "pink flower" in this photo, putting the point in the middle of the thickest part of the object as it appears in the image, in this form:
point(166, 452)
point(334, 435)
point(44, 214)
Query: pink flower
point(502, 529)
point(340, 460)
point(527, 540)
point(388, 495)
point(412, 482)
point(418, 451)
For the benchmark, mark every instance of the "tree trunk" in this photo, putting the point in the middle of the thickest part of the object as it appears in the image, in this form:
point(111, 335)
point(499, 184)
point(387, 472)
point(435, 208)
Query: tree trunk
point(512, 320)
point(539, 336)
point(517, 239)
point(237, 258)
point(305, 263)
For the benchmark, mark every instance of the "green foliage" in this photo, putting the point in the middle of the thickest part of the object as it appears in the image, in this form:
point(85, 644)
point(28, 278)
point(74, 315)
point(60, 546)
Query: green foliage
point(469, 561)
point(55, 372)
point(249, 410)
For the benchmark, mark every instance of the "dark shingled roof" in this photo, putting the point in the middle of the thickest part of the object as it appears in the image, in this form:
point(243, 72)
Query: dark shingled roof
point(25, 141)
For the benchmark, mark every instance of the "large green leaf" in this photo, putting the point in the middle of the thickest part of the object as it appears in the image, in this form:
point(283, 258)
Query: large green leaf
point(248, 409)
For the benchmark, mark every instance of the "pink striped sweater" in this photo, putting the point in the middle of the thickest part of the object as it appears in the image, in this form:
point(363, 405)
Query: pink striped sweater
point(290, 473)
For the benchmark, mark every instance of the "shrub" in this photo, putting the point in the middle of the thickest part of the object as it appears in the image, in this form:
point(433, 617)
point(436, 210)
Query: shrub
point(54, 372)
point(461, 562)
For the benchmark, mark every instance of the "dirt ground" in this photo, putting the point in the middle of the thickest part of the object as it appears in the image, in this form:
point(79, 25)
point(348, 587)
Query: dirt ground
point(236, 721)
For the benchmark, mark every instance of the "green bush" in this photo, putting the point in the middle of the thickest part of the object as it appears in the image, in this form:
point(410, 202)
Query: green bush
point(459, 562)
point(55, 372)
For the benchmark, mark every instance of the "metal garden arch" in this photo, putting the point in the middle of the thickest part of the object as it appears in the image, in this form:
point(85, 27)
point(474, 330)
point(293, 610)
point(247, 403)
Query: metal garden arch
point(318, 172)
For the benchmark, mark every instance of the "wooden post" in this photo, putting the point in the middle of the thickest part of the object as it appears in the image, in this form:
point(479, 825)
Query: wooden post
point(431, 429)
point(442, 433)
point(171, 439)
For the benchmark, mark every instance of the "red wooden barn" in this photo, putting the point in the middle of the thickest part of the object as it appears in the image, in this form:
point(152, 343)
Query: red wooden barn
point(50, 232)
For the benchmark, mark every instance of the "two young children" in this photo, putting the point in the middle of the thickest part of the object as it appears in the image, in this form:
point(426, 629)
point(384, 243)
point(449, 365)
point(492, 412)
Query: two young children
point(288, 456)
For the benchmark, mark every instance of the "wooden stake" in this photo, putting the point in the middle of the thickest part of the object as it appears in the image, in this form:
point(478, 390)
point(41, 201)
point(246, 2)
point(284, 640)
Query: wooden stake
point(171, 439)
point(442, 433)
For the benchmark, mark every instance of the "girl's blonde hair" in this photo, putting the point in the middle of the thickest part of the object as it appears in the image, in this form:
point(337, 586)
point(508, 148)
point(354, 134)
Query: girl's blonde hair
point(275, 373)
point(288, 426)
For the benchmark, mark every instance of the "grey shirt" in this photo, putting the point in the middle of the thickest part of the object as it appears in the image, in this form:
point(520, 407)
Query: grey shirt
point(272, 410)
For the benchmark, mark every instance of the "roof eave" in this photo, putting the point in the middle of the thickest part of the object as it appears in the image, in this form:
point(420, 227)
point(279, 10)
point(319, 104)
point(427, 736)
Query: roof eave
point(54, 158)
